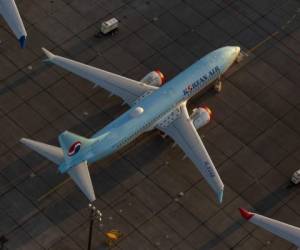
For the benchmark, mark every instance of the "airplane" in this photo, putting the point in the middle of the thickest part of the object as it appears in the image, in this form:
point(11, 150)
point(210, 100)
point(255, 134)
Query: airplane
point(280, 229)
point(153, 105)
point(10, 13)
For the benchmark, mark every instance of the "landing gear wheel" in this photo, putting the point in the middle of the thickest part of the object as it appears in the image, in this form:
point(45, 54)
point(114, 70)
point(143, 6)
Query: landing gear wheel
point(241, 57)
point(218, 86)
point(162, 135)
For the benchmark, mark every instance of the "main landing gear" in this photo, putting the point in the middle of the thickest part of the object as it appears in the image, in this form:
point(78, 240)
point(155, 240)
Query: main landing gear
point(162, 135)
point(218, 86)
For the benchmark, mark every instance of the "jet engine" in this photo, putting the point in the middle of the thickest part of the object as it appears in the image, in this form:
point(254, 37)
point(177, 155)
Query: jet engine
point(201, 116)
point(154, 78)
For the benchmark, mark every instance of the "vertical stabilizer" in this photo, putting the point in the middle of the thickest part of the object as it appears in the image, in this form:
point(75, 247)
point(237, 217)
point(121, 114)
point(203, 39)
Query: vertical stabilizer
point(71, 143)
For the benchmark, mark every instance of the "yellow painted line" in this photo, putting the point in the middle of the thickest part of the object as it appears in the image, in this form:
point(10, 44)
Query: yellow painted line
point(53, 189)
point(264, 41)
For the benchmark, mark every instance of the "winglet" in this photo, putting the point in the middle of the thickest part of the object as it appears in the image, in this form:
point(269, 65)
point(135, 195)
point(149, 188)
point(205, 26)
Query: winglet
point(48, 54)
point(246, 214)
point(22, 41)
point(220, 196)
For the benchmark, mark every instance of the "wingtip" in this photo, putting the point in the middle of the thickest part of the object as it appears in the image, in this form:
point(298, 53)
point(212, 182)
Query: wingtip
point(23, 140)
point(27, 142)
point(22, 41)
point(220, 196)
point(246, 214)
point(92, 197)
point(48, 54)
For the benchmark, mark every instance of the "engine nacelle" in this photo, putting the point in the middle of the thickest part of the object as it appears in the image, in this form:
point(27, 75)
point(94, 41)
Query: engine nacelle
point(201, 116)
point(154, 78)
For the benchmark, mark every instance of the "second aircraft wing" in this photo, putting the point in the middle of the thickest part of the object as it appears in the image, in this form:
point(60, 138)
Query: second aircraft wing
point(10, 13)
point(183, 132)
point(129, 90)
point(281, 229)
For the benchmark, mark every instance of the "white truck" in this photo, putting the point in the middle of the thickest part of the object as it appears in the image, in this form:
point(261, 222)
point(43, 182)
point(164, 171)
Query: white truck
point(109, 26)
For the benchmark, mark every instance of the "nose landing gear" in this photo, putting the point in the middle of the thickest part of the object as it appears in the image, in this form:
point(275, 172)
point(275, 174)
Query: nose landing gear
point(241, 56)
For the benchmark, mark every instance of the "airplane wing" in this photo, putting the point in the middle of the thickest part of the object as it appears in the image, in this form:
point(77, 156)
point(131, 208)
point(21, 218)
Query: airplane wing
point(283, 230)
point(183, 132)
point(9, 11)
point(129, 90)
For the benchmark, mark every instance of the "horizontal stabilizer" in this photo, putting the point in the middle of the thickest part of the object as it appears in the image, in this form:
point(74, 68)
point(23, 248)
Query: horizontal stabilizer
point(78, 173)
point(52, 153)
point(81, 176)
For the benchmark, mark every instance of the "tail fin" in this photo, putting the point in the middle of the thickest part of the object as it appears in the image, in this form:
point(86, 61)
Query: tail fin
point(79, 172)
point(71, 143)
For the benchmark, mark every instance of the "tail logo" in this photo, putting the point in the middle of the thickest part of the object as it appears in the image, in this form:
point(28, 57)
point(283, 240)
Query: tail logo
point(74, 148)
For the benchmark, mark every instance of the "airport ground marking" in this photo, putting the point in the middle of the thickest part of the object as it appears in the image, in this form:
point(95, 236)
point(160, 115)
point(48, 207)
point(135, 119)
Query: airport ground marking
point(52, 190)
